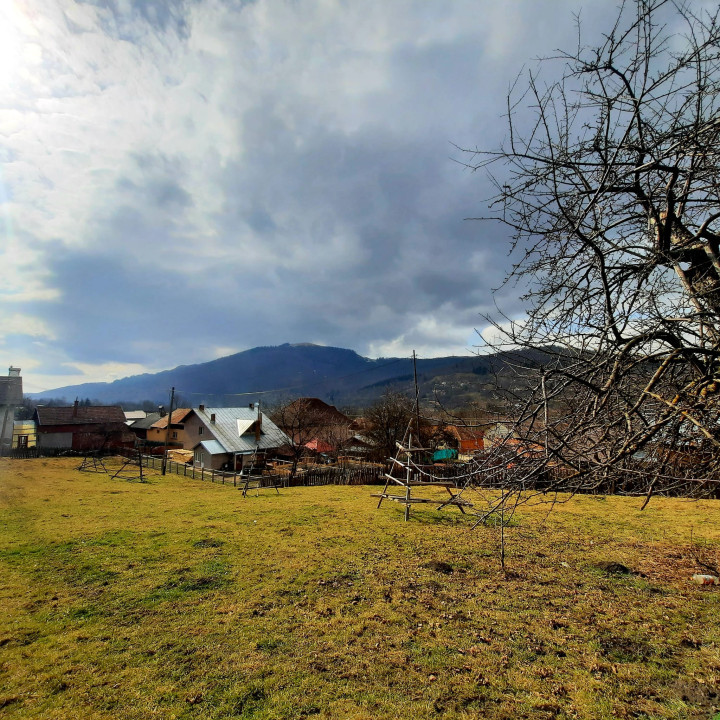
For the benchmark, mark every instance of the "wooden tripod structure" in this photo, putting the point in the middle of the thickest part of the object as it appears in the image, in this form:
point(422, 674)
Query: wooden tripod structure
point(93, 462)
point(132, 468)
point(406, 474)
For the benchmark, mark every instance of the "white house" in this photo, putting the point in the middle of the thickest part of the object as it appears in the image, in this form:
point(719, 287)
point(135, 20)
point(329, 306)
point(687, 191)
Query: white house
point(232, 437)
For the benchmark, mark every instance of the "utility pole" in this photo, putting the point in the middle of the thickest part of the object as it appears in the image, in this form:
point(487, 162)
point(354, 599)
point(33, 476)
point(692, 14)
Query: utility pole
point(417, 400)
point(167, 431)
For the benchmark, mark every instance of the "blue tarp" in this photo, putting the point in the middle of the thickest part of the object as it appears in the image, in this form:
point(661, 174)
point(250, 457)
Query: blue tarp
point(448, 454)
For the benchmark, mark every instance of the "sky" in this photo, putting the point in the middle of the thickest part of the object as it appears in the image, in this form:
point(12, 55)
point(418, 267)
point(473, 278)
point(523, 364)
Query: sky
point(185, 179)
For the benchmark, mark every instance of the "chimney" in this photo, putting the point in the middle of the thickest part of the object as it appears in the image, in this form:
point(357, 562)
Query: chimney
point(75, 408)
point(258, 426)
point(13, 371)
point(201, 408)
point(212, 418)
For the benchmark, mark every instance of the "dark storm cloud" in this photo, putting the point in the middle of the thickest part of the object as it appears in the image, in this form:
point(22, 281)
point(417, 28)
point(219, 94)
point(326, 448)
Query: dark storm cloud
point(405, 244)
point(377, 242)
point(250, 174)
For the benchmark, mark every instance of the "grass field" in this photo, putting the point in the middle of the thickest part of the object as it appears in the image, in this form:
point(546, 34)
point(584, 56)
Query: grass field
point(180, 599)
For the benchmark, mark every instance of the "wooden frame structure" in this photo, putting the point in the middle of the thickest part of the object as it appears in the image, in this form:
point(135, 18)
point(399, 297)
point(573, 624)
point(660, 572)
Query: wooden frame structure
point(93, 462)
point(409, 480)
point(128, 472)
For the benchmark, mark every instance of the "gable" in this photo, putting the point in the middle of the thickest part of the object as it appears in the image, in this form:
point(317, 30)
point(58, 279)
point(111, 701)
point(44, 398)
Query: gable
point(245, 425)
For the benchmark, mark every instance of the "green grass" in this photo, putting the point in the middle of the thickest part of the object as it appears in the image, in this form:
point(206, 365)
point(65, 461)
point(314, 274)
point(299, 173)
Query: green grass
point(177, 598)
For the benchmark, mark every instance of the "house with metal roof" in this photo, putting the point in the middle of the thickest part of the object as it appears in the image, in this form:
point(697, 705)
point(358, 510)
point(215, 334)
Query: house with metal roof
point(234, 437)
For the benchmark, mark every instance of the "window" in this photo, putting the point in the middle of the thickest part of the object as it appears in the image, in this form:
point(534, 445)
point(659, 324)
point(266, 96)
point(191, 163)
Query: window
point(174, 436)
point(201, 430)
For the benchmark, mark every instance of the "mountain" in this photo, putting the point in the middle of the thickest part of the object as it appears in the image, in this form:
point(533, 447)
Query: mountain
point(336, 375)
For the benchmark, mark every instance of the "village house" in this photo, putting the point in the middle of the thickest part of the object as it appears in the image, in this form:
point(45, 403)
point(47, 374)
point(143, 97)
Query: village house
point(234, 438)
point(82, 428)
point(466, 441)
point(140, 427)
point(183, 434)
point(359, 444)
point(313, 424)
point(497, 433)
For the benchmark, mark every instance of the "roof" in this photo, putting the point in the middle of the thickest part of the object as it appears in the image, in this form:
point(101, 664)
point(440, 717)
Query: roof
point(360, 425)
point(178, 416)
point(135, 414)
point(321, 411)
point(80, 415)
point(357, 441)
point(212, 446)
point(148, 421)
point(468, 438)
point(228, 423)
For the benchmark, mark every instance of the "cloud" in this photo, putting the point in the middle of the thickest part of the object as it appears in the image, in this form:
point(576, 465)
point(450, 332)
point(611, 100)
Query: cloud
point(20, 324)
point(185, 177)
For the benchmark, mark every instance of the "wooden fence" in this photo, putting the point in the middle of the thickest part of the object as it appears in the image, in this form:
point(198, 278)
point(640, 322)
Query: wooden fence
point(339, 475)
point(318, 475)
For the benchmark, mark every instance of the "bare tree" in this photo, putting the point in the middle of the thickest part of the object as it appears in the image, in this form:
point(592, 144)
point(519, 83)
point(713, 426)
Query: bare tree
point(612, 193)
point(305, 420)
point(389, 418)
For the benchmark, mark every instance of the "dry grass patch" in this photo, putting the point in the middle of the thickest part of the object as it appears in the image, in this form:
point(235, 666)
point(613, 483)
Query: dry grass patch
point(177, 598)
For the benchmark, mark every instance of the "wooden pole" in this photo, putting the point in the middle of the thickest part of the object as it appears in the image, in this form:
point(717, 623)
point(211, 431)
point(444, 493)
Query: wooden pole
point(417, 400)
point(408, 477)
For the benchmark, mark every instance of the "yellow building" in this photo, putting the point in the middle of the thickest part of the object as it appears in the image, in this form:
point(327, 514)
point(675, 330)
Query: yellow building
point(184, 430)
point(24, 434)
